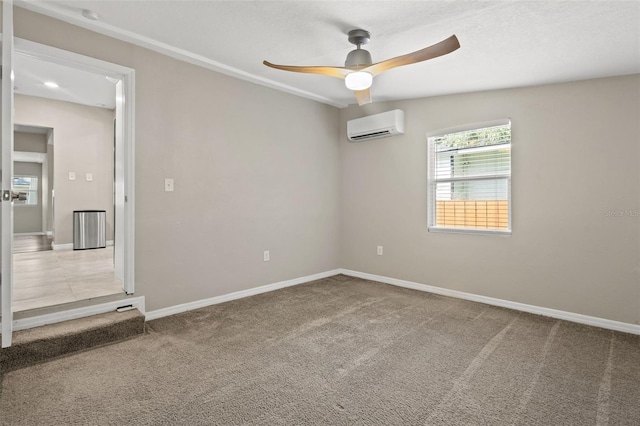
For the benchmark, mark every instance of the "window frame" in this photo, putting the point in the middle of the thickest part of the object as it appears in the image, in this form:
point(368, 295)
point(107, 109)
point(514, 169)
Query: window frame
point(432, 181)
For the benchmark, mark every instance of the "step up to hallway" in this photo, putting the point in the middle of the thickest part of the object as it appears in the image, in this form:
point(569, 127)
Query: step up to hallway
point(50, 341)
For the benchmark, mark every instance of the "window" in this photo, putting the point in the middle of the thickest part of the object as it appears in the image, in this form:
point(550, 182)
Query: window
point(27, 185)
point(470, 180)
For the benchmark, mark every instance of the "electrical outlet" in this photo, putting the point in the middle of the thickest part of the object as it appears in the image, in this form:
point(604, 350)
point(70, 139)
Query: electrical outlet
point(380, 251)
point(89, 177)
point(168, 185)
point(266, 256)
point(72, 175)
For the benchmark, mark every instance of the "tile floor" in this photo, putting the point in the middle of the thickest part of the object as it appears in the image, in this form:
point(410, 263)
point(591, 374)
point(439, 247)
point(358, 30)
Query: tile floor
point(46, 278)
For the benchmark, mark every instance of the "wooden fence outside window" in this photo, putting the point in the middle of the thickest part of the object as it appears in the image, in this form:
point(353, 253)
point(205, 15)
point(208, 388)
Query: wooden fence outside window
point(473, 214)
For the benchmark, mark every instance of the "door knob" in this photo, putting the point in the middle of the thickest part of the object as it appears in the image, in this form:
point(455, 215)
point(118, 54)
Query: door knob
point(20, 196)
point(11, 196)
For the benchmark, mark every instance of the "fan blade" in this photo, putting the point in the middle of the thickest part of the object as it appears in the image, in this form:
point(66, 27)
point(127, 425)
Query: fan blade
point(363, 96)
point(445, 46)
point(337, 72)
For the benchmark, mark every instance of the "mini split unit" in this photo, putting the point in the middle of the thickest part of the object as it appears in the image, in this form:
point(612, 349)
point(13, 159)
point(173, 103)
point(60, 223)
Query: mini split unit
point(376, 126)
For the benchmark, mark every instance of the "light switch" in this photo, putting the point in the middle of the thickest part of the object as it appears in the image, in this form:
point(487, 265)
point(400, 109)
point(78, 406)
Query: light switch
point(89, 177)
point(72, 175)
point(168, 185)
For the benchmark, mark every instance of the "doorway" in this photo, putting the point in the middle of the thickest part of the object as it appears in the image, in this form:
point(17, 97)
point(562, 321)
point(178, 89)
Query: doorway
point(33, 178)
point(92, 169)
point(44, 277)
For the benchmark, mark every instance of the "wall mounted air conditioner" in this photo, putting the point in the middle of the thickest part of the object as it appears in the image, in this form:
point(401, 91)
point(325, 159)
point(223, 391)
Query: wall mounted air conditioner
point(376, 126)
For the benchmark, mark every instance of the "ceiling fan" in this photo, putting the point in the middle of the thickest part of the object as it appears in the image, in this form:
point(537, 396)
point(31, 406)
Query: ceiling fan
point(358, 70)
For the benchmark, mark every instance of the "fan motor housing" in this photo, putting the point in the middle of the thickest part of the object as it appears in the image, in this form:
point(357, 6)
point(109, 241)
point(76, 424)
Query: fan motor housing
point(358, 57)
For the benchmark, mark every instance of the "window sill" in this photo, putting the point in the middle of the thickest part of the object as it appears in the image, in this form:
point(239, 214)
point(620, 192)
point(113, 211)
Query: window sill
point(448, 230)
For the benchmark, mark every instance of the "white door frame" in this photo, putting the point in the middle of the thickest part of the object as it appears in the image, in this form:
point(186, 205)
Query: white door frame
point(6, 207)
point(118, 186)
point(127, 76)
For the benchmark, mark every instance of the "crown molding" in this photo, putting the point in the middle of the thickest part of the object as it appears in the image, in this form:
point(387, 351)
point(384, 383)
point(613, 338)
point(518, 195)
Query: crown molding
point(74, 17)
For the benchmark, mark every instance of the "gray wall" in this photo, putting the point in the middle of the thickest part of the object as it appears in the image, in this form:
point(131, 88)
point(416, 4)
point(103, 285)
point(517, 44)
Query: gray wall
point(83, 140)
point(29, 142)
point(255, 169)
point(575, 160)
point(28, 218)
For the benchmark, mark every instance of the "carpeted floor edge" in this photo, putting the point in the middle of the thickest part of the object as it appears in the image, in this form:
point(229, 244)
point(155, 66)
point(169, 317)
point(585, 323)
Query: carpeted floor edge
point(45, 343)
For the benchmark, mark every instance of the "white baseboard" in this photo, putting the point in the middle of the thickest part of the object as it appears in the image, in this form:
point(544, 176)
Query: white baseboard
point(176, 309)
point(62, 246)
point(69, 246)
point(27, 234)
point(538, 310)
point(553, 313)
point(50, 233)
point(86, 311)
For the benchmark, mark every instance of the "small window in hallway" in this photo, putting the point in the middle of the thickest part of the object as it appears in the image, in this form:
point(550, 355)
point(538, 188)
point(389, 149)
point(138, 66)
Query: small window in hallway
point(27, 185)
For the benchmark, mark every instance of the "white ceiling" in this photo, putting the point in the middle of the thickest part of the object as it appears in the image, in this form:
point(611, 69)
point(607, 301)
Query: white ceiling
point(504, 43)
point(75, 85)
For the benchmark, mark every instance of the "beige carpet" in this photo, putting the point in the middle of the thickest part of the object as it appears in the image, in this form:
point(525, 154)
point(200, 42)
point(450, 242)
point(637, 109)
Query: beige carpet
point(340, 351)
point(35, 345)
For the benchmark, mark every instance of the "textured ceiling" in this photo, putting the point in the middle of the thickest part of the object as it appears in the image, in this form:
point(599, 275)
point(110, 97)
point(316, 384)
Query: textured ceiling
point(504, 44)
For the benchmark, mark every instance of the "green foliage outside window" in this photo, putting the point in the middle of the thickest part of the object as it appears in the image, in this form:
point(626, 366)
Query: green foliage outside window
point(474, 138)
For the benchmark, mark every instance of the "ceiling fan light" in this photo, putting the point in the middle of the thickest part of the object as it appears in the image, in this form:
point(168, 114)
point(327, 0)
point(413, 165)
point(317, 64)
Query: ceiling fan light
point(358, 80)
